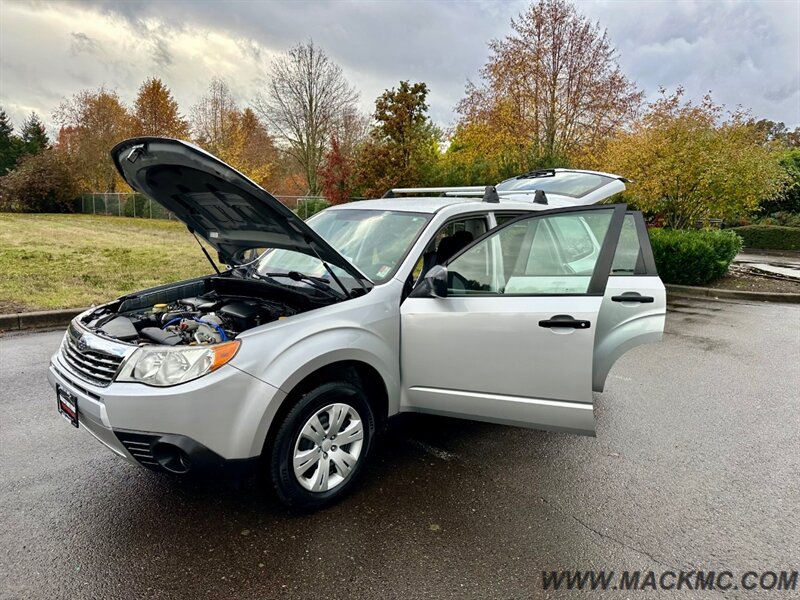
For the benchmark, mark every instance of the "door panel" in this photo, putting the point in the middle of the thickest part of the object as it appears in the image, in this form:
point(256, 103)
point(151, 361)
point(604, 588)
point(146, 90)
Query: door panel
point(456, 350)
point(494, 349)
point(624, 324)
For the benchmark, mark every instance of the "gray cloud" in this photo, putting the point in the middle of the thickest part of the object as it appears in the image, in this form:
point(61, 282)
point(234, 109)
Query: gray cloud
point(746, 53)
point(161, 54)
point(82, 43)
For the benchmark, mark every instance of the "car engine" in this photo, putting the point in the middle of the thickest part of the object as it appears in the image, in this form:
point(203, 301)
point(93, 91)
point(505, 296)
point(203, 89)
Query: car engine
point(208, 319)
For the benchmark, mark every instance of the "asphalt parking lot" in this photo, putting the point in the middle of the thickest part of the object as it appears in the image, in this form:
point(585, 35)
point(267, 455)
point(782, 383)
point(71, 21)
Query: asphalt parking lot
point(695, 466)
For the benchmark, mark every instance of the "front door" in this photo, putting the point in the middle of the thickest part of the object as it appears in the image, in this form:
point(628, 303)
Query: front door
point(513, 340)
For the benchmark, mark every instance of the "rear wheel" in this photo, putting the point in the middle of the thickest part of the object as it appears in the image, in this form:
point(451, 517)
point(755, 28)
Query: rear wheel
point(322, 445)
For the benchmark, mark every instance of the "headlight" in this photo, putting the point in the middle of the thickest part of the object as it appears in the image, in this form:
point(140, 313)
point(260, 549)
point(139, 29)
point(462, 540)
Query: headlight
point(162, 366)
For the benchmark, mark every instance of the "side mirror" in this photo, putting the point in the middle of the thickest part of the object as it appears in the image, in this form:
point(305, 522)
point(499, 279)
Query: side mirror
point(433, 284)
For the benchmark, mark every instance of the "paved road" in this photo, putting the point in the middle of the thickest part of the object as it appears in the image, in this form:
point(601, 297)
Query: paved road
point(786, 264)
point(695, 465)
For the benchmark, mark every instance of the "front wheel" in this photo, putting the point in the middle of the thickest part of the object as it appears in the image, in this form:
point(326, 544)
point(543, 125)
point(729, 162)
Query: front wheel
point(322, 445)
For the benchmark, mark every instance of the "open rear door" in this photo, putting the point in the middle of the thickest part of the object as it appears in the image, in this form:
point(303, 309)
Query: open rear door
point(513, 339)
point(634, 306)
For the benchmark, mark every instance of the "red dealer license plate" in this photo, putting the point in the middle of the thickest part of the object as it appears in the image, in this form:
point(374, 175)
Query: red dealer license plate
point(67, 405)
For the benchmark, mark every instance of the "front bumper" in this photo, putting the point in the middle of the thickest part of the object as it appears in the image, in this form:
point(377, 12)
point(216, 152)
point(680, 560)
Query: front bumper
point(218, 422)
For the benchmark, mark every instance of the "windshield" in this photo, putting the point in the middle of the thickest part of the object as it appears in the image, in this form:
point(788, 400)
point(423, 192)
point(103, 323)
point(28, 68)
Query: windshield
point(563, 183)
point(374, 241)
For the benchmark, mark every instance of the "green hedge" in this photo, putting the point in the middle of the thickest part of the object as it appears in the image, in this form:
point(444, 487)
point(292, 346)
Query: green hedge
point(690, 257)
point(306, 208)
point(770, 237)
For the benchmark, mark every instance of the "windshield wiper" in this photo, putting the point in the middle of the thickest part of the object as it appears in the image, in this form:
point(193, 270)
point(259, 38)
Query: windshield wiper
point(318, 283)
point(536, 174)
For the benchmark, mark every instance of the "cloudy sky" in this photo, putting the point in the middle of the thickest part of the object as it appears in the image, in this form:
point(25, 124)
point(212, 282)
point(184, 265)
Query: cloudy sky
point(746, 53)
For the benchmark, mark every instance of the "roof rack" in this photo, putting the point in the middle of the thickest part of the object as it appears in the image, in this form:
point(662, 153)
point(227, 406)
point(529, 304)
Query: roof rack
point(455, 191)
point(539, 196)
point(536, 174)
point(488, 193)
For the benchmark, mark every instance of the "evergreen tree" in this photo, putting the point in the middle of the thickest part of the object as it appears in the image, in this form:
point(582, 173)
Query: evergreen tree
point(34, 136)
point(10, 144)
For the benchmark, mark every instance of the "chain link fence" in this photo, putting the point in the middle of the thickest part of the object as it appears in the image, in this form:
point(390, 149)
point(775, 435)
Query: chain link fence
point(121, 205)
point(136, 205)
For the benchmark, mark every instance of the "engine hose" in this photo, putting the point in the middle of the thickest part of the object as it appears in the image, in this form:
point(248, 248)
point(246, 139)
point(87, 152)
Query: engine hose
point(171, 321)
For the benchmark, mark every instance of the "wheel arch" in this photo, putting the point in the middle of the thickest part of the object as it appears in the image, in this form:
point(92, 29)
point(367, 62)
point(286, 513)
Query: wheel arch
point(360, 372)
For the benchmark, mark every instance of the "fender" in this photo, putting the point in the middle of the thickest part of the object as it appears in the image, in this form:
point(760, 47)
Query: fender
point(301, 357)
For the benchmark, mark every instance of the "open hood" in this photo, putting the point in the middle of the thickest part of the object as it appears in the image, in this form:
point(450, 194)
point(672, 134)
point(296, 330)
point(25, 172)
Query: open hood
point(231, 212)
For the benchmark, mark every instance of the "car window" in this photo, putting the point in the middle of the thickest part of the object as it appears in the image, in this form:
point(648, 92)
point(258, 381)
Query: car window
point(374, 241)
point(504, 218)
point(448, 241)
point(554, 254)
point(574, 236)
point(628, 254)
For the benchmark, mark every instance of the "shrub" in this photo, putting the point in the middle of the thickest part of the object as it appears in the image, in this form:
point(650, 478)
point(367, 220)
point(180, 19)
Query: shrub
point(135, 206)
point(787, 219)
point(40, 183)
point(690, 257)
point(770, 237)
point(309, 206)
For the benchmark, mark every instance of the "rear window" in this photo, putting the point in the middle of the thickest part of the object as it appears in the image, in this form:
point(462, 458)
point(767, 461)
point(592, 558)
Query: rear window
point(563, 183)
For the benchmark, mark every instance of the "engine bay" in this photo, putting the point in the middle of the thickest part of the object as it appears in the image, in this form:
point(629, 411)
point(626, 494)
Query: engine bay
point(190, 321)
point(198, 312)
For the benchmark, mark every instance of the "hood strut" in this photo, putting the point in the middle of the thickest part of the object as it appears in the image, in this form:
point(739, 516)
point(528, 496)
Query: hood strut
point(203, 248)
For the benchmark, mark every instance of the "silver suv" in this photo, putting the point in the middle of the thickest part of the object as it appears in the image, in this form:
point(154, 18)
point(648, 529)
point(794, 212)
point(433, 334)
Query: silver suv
point(508, 307)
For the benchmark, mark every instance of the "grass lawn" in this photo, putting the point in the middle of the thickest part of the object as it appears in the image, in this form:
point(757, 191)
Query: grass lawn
point(68, 261)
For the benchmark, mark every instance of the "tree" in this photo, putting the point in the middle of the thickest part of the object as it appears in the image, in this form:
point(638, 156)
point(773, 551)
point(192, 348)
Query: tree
point(96, 121)
point(237, 137)
point(688, 163)
point(10, 144)
point(155, 112)
point(552, 91)
point(404, 144)
point(336, 174)
point(215, 119)
point(255, 153)
point(788, 199)
point(42, 182)
point(33, 135)
point(307, 95)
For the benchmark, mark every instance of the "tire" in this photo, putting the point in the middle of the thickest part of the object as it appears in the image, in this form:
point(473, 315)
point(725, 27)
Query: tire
point(321, 432)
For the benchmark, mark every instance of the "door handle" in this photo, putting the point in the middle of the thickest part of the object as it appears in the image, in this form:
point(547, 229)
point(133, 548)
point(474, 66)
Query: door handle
point(633, 297)
point(564, 321)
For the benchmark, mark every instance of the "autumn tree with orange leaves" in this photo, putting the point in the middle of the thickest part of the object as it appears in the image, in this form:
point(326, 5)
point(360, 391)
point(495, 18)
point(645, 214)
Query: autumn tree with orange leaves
point(93, 122)
point(237, 137)
point(552, 92)
point(155, 112)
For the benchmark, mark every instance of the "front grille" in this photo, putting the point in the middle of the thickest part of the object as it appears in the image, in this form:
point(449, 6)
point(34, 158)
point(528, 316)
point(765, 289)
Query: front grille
point(91, 364)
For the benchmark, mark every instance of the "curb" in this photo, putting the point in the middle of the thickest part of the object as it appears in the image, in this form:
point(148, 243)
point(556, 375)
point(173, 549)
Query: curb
point(690, 291)
point(763, 252)
point(38, 319)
